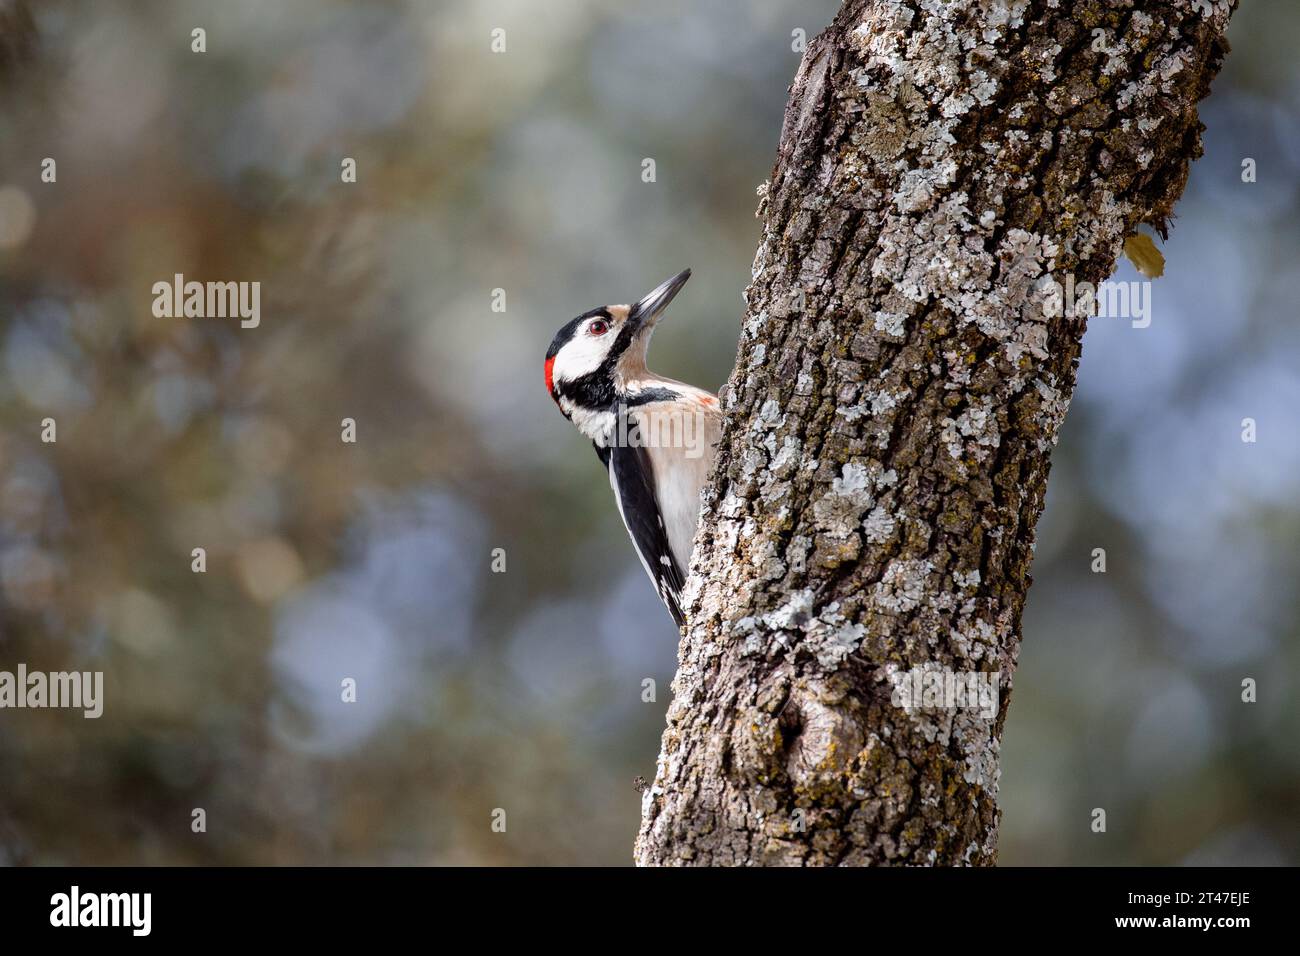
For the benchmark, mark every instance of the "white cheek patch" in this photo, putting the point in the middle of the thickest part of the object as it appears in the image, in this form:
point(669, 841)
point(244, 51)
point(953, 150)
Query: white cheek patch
point(581, 355)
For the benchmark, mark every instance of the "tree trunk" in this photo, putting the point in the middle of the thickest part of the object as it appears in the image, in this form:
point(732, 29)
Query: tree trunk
point(898, 390)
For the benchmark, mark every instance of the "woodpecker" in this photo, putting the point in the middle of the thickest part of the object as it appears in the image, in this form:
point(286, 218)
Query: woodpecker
point(656, 437)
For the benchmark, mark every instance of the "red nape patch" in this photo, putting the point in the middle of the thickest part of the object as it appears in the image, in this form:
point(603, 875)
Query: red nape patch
point(550, 387)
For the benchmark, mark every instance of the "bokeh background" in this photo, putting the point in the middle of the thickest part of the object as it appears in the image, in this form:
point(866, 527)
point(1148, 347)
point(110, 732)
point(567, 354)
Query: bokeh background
point(522, 171)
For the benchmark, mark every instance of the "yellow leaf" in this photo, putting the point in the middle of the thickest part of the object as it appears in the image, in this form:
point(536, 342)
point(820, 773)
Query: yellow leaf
point(1144, 255)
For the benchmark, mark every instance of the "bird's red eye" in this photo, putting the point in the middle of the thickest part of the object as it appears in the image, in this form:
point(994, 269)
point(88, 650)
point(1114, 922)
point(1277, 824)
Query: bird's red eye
point(598, 327)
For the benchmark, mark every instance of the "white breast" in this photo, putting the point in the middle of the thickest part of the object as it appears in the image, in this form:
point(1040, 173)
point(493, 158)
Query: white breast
point(681, 449)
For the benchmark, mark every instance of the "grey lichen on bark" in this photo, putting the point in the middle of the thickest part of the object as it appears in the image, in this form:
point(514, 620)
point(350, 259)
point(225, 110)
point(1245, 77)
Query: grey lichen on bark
point(898, 389)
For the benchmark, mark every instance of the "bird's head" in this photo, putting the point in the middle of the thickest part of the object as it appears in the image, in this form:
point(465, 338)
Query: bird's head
point(592, 356)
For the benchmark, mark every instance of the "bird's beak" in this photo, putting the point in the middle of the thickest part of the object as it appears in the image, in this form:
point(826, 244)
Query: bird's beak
point(652, 304)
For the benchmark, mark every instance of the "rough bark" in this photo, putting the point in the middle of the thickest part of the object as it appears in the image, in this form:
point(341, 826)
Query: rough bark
point(897, 393)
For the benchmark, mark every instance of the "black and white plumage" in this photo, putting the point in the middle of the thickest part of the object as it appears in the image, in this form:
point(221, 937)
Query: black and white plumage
point(656, 437)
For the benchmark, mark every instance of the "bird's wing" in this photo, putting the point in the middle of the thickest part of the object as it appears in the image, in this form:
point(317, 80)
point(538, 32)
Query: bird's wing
point(632, 479)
